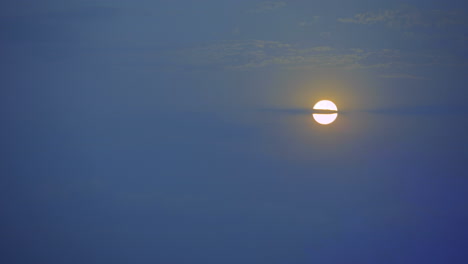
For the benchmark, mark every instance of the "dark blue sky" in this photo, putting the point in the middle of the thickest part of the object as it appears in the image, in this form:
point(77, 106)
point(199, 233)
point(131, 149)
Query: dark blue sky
point(177, 132)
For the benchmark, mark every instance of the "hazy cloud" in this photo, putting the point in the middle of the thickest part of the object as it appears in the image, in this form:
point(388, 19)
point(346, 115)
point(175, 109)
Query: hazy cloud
point(250, 54)
point(322, 48)
point(267, 6)
point(386, 16)
point(253, 54)
point(309, 22)
point(407, 17)
point(325, 35)
point(430, 110)
point(401, 76)
point(295, 111)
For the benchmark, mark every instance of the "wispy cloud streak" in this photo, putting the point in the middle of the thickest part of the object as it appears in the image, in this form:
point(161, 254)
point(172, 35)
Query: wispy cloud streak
point(267, 6)
point(416, 110)
point(407, 17)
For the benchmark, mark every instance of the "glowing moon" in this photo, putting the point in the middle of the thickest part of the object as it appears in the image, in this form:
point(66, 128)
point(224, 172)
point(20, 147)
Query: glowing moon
point(325, 118)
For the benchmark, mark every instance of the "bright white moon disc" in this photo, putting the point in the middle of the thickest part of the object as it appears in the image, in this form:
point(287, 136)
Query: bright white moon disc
point(325, 119)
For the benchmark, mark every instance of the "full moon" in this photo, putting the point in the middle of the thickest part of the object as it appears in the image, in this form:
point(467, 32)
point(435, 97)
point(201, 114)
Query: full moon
point(325, 118)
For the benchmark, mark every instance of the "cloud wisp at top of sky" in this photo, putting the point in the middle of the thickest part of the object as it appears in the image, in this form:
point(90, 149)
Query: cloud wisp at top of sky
point(408, 17)
point(266, 6)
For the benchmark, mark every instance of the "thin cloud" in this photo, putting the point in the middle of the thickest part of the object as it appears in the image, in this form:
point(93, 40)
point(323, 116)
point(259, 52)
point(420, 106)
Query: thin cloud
point(402, 76)
point(322, 48)
point(369, 18)
point(309, 22)
point(267, 6)
point(408, 17)
point(435, 110)
point(252, 54)
point(295, 111)
point(256, 54)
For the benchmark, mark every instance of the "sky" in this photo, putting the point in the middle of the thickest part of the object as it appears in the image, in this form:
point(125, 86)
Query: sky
point(180, 132)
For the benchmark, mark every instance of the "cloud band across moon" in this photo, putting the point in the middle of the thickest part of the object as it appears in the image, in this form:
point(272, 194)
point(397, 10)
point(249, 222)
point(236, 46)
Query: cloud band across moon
point(417, 110)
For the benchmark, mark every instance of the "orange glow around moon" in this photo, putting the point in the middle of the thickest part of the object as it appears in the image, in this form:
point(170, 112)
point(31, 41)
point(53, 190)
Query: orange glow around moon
point(325, 118)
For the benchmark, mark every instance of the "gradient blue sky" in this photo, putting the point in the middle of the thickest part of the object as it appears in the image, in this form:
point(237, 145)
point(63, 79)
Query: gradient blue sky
point(177, 132)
